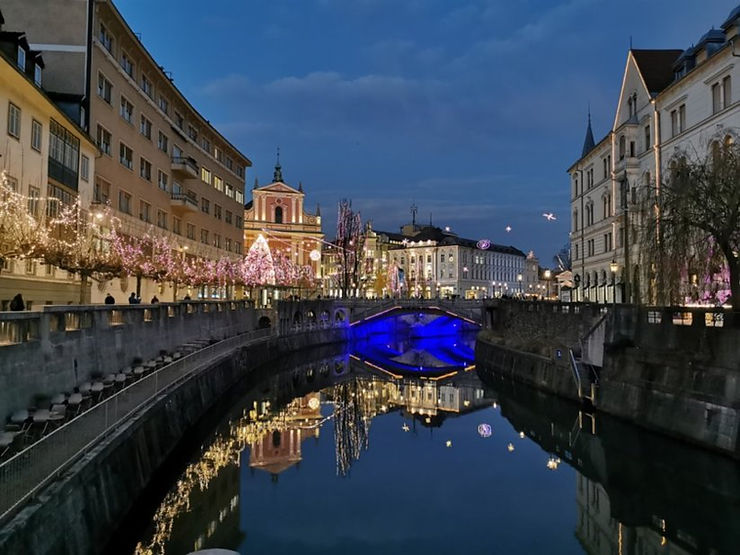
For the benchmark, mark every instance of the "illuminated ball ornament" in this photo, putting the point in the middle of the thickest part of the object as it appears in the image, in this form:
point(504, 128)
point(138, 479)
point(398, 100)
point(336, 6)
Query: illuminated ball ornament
point(484, 430)
point(315, 255)
point(483, 244)
point(313, 403)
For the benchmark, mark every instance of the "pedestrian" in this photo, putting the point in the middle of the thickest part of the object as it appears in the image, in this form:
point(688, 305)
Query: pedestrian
point(132, 298)
point(186, 298)
point(154, 300)
point(17, 303)
point(138, 299)
point(109, 299)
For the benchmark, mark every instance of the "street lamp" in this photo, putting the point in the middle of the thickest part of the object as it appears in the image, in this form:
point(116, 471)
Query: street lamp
point(548, 274)
point(614, 267)
point(519, 279)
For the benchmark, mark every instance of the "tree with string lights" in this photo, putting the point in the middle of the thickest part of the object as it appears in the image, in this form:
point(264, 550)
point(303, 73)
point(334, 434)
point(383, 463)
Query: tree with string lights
point(22, 229)
point(350, 245)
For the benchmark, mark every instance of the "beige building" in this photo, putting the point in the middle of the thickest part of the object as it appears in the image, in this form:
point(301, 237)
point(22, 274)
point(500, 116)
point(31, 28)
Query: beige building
point(43, 154)
point(164, 168)
point(672, 103)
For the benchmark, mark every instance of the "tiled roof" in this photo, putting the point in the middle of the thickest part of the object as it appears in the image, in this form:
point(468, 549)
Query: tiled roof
point(656, 67)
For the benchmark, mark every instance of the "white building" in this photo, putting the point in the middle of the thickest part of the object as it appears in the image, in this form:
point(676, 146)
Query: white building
point(672, 103)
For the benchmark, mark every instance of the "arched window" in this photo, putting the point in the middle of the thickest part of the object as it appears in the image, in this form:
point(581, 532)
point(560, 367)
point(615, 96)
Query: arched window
point(278, 215)
point(622, 147)
point(575, 220)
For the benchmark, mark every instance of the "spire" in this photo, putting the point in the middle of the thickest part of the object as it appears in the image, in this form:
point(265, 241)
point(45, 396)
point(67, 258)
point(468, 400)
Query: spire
point(300, 186)
point(318, 209)
point(278, 175)
point(588, 143)
point(256, 183)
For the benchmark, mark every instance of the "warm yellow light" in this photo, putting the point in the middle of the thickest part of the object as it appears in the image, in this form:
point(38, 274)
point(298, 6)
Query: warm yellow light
point(510, 447)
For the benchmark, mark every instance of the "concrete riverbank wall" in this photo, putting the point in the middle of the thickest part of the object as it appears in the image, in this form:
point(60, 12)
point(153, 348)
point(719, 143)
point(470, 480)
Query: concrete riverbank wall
point(78, 513)
point(52, 351)
point(675, 371)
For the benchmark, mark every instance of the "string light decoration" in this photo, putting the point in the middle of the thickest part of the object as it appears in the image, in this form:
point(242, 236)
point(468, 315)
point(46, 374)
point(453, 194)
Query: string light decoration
point(350, 242)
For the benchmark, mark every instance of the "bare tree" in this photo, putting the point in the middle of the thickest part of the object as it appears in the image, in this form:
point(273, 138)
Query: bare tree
point(691, 229)
point(350, 245)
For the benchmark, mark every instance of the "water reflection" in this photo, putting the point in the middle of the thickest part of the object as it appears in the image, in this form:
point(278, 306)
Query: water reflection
point(337, 456)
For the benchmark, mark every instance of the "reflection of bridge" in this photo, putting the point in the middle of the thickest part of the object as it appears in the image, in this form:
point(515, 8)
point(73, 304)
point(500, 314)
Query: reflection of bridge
point(325, 313)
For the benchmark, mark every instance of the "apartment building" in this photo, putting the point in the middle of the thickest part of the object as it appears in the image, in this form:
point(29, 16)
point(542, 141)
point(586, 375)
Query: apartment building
point(672, 103)
point(163, 167)
point(44, 154)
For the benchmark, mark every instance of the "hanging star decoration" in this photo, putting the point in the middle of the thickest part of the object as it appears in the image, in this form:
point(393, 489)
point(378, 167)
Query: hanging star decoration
point(449, 443)
point(549, 216)
point(510, 447)
point(405, 427)
point(508, 229)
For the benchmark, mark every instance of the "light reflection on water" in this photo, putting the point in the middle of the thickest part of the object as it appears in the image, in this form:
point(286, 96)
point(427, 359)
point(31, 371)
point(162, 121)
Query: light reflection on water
point(332, 456)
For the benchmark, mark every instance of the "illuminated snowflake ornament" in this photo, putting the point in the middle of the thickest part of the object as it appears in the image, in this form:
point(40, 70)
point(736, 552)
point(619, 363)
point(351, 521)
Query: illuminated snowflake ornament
point(315, 255)
point(483, 244)
point(484, 430)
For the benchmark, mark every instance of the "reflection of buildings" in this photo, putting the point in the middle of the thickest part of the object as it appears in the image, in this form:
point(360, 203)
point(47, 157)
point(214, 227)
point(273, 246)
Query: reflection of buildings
point(600, 534)
point(279, 448)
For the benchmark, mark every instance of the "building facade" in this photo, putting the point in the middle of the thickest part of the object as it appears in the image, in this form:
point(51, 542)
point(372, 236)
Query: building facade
point(277, 213)
point(672, 103)
point(44, 156)
point(164, 169)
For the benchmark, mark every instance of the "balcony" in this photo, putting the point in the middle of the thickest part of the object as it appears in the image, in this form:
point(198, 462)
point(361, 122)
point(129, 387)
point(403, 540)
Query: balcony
point(184, 167)
point(183, 203)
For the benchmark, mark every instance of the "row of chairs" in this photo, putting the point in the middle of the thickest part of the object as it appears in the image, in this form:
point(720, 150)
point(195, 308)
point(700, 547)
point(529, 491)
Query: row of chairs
point(27, 426)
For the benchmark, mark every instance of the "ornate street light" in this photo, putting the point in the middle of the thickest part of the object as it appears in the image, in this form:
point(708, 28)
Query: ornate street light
point(613, 266)
point(519, 279)
point(548, 274)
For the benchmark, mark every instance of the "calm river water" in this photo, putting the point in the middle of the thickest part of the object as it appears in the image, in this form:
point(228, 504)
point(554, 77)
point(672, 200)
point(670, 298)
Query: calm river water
point(333, 455)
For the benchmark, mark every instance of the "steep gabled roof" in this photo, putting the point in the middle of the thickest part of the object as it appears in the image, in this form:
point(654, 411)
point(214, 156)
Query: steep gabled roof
point(656, 67)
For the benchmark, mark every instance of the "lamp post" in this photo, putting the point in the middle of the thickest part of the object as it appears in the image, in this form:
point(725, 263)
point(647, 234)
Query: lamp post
point(519, 279)
point(548, 274)
point(613, 266)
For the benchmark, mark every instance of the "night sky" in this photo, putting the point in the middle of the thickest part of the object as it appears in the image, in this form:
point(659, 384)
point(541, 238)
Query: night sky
point(471, 110)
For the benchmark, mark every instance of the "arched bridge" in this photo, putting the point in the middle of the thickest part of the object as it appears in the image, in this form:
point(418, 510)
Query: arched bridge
point(324, 313)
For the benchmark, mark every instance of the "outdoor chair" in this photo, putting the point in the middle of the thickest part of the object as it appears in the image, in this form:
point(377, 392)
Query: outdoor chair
point(120, 380)
point(40, 423)
point(75, 403)
point(7, 443)
point(97, 391)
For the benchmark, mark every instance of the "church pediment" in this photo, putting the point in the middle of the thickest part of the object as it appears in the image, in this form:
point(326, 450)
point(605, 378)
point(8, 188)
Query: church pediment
point(279, 187)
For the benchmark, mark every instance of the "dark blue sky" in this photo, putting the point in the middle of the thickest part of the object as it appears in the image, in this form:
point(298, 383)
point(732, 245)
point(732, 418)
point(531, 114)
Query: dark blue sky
point(473, 110)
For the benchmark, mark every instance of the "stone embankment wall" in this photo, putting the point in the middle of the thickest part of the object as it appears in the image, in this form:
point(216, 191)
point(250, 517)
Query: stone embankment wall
point(48, 352)
point(675, 371)
point(79, 512)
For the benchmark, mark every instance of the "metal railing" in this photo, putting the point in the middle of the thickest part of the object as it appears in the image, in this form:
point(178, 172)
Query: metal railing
point(28, 471)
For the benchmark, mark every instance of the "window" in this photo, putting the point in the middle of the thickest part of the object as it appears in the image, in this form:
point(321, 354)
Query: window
point(575, 220)
point(37, 74)
point(205, 175)
point(176, 151)
point(726, 92)
point(179, 121)
point(239, 222)
point(205, 144)
point(240, 171)
point(229, 191)
point(105, 38)
point(204, 236)
point(647, 137)
point(608, 242)
point(227, 244)
point(101, 191)
point(218, 183)
point(239, 196)
point(64, 155)
point(176, 225)
point(681, 117)
point(146, 127)
point(146, 86)
point(217, 211)
point(229, 163)
point(164, 105)
point(85, 168)
point(278, 215)
point(163, 142)
point(190, 231)
point(218, 153)
point(104, 140)
point(127, 110)
point(237, 247)
point(14, 121)
point(716, 98)
point(36, 131)
point(632, 149)
point(124, 202)
point(33, 200)
point(192, 132)
point(205, 205)
point(126, 156)
point(145, 210)
point(145, 169)
point(162, 179)
point(674, 123)
point(162, 219)
point(22, 59)
point(105, 88)
point(228, 217)
point(575, 251)
point(127, 64)
point(622, 147)
point(217, 240)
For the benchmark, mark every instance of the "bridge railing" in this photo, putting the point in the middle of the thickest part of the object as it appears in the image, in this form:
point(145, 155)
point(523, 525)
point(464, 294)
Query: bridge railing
point(28, 471)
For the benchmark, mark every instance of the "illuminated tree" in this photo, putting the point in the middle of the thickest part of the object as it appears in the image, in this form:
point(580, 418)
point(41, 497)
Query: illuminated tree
point(22, 229)
point(350, 245)
point(692, 229)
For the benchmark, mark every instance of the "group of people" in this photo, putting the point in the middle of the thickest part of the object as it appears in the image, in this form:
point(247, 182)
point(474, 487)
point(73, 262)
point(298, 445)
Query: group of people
point(132, 299)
